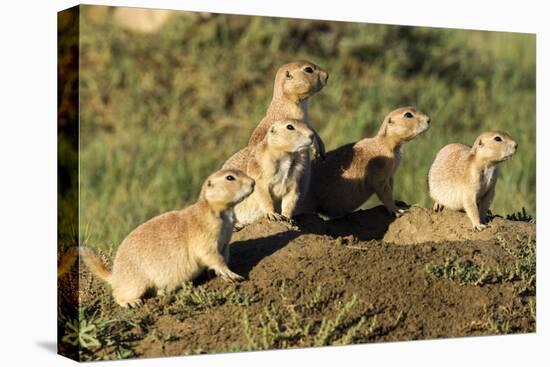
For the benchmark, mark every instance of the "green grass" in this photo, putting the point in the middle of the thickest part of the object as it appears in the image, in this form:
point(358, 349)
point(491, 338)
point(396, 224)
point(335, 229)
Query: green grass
point(160, 112)
point(91, 336)
point(288, 325)
point(190, 300)
point(88, 334)
point(466, 271)
point(521, 275)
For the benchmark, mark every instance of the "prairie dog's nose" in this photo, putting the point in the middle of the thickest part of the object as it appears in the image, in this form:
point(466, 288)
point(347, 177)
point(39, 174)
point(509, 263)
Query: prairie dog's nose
point(324, 75)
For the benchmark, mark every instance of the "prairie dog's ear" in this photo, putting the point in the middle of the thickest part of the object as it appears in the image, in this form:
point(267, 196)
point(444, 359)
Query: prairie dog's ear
point(272, 130)
point(287, 75)
point(390, 121)
point(480, 143)
point(209, 183)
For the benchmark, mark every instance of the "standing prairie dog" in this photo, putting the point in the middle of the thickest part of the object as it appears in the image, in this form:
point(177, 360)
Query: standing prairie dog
point(294, 83)
point(349, 175)
point(177, 246)
point(276, 169)
point(464, 178)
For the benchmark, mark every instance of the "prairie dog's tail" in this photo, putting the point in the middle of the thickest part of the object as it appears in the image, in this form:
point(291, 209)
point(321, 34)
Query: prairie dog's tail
point(95, 264)
point(67, 261)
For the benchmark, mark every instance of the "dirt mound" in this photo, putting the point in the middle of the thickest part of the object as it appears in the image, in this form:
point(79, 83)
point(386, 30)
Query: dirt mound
point(421, 225)
point(341, 281)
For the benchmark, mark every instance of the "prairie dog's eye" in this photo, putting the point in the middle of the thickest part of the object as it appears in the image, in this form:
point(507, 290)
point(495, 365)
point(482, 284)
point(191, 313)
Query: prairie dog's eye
point(408, 115)
point(308, 69)
point(230, 178)
point(498, 138)
point(289, 127)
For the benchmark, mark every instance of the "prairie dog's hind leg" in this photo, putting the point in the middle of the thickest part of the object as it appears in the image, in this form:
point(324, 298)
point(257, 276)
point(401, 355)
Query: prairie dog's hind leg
point(129, 295)
point(129, 286)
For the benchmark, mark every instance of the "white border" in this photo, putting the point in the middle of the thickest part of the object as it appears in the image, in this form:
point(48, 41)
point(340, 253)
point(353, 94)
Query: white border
point(28, 180)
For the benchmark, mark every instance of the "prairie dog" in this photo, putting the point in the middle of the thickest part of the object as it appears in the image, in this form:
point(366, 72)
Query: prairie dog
point(177, 246)
point(277, 170)
point(294, 83)
point(350, 174)
point(464, 178)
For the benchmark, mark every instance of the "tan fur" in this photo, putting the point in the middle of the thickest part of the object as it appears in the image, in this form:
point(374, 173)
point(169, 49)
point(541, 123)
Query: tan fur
point(464, 178)
point(177, 246)
point(352, 173)
point(67, 261)
point(292, 88)
point(276, 164)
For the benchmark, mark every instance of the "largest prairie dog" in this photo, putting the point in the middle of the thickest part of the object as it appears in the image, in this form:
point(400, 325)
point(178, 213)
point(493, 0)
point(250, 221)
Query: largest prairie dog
point(464, 178)
point(272, 164)
point(295, 83)
point(177, 246)
point(349, 175)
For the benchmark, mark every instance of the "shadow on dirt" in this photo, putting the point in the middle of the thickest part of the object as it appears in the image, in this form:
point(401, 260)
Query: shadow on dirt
point(247, 253)
point(364, 225)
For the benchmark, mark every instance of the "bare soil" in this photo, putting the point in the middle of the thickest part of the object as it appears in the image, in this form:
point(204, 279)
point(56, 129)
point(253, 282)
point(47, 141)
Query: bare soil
point(306, 274)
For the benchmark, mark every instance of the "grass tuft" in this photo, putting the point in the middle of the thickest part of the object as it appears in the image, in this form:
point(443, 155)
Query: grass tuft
point(285, 325)
point(465, 272)
point(190, 299)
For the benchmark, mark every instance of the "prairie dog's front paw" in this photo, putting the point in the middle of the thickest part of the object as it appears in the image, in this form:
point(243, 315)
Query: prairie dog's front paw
point(396, 212)
point(133, 303)
point(276, 217)
point(399, 212)
point(230, 276)
point(479, 227)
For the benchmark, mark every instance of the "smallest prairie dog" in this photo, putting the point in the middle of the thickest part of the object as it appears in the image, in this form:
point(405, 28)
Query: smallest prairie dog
point(177, 246)
point(277, 170)
point(464, 178)
point(352, 173)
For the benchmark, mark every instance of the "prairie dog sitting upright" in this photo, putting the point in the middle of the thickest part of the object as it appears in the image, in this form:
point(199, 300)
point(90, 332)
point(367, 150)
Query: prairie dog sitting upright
point(274, 165)
point(177, 246)
point(349, 175)
point(464, 178)
point(294, 84)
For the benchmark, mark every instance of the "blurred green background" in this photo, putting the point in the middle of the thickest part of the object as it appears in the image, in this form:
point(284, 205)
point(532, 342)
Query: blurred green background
point(161, 109)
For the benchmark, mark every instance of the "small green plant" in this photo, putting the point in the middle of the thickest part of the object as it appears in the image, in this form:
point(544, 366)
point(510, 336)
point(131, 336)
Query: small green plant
point(498, 326)
point(465, 272)
point(329, 327)
point(83, 331)
point(523, 250)
point(90, 332)
point(286, 325)
point(521, 216)
point(192, 299)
